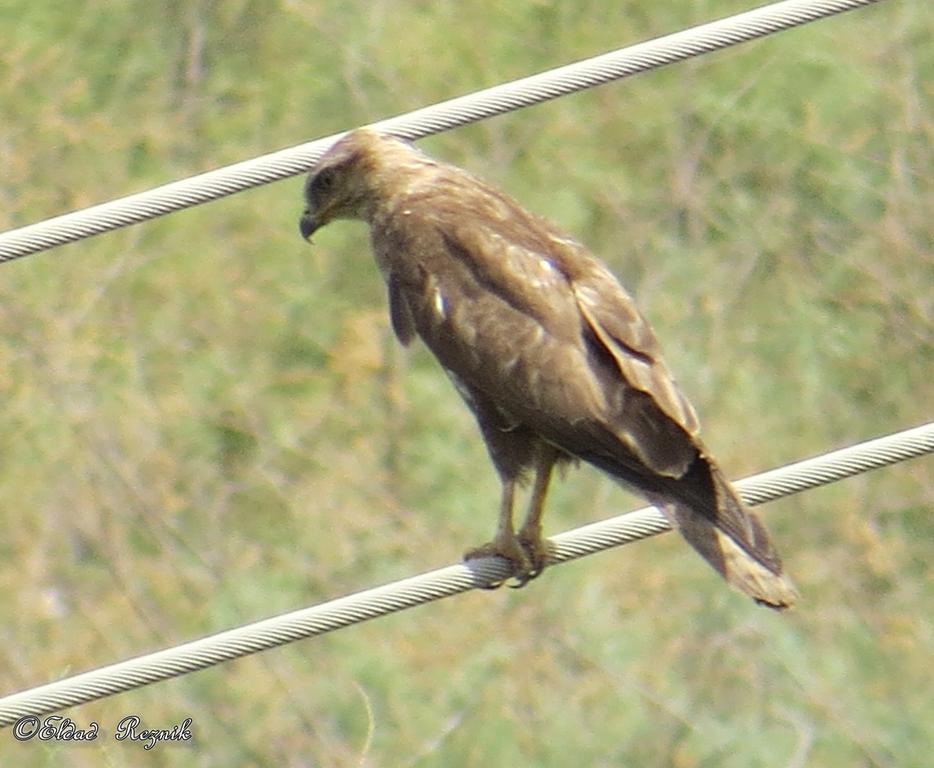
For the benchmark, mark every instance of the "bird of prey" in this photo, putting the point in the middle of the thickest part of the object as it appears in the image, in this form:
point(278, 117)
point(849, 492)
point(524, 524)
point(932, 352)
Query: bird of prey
point(544, 345)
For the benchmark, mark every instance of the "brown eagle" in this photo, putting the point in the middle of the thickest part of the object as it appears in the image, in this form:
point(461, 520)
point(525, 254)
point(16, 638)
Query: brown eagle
point(544, 345)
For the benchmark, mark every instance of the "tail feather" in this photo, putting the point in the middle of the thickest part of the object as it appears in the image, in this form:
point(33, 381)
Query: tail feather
point(711, 517)
point(709, 514)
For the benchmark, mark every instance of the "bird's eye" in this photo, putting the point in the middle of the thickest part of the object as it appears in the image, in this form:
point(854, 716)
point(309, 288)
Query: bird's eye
point(323, 182)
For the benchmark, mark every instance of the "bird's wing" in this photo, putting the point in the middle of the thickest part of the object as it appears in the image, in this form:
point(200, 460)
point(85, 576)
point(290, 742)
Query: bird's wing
point(523, 276)
point(626, 387)
point(649, 413)
point(614, 319)
point(400, 314)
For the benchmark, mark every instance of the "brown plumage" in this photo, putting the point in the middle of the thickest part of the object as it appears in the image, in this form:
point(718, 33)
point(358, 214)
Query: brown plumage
point(543, 344)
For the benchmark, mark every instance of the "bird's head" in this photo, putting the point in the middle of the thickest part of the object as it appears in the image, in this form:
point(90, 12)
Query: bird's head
point(342, 184)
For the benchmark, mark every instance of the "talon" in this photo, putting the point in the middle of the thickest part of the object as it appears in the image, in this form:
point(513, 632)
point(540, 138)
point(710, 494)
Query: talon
point(523, 579)
point(536, 551)
point(511, 550)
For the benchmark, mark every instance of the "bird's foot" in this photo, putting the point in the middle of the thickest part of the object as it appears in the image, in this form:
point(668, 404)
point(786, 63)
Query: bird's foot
point(524, 565)
point(535, 550)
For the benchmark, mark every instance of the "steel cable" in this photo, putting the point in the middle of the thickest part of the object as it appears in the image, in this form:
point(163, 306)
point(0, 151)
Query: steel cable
point(480, 105)
point(434, 585)
point(452, 580)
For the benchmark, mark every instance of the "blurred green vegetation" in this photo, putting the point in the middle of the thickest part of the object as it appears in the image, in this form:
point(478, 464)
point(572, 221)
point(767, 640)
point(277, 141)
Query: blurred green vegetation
point(206, 421)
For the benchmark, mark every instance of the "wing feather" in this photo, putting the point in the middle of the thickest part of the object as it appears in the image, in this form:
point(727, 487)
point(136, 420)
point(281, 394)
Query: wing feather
point(546, 277)
point(523, 277)
point(613, 318)
point(400, 314)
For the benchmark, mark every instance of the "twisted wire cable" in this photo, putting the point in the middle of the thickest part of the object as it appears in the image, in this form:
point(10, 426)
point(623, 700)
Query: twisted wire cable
point(434, 585)
point(480, 105)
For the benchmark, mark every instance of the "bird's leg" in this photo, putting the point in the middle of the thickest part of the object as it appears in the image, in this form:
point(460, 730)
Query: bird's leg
point(505, 544)
point(530, 535)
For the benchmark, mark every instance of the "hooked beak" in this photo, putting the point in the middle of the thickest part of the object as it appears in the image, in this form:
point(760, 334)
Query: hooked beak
point(308, 224)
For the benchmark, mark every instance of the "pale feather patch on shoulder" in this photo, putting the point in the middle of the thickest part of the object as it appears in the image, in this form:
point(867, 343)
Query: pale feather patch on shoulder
point(434, 302)
point(586, 295)
point(547, 273)
point(537, 271)
point(439, 304)
point(567, 242)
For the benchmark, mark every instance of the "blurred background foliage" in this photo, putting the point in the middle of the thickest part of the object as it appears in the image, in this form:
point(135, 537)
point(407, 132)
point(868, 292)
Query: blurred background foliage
point(206, 421)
